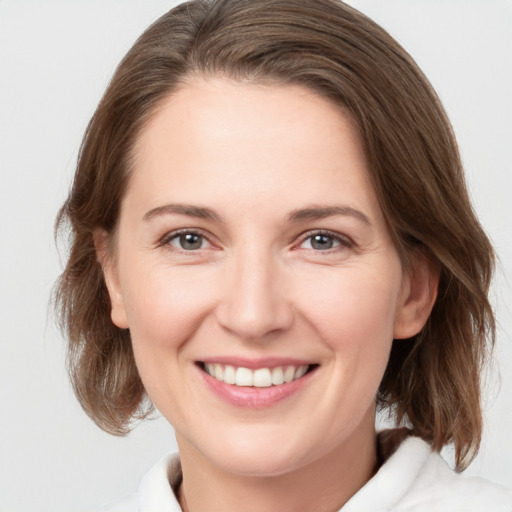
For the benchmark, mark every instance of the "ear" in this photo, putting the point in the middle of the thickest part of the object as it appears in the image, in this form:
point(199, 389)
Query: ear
point(111, 276)
point(418, 295)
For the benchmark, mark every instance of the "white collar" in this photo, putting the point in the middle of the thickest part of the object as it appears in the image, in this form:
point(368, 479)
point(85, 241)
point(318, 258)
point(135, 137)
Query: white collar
point(412, 479)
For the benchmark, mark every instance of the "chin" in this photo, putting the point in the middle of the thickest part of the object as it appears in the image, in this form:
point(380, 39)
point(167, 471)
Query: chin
point(257, 464)
point(256, 454)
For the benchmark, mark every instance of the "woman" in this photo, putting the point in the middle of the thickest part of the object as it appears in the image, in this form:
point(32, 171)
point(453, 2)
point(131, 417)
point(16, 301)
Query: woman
point(271, 238)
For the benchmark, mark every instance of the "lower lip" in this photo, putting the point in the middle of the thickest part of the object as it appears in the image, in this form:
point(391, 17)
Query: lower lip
point(252, 397)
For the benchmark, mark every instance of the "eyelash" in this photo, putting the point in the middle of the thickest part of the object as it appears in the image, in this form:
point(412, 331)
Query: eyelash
point(167, 239)
point(342, 241)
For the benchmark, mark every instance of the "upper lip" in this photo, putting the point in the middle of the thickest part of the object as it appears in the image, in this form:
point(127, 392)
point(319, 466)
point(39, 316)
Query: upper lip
point(255, 363)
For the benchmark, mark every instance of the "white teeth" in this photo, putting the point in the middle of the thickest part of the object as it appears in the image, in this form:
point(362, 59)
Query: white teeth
point(260, 378)
point(229, 374)
point(218, 372)
point(301, 371)
point(277, 376)
point(243, 377)
point(289, 373)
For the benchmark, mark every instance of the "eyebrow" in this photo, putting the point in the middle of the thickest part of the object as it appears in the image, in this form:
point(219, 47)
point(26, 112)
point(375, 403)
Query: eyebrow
point(322, 212)
point(183, 209)
point(299, 215)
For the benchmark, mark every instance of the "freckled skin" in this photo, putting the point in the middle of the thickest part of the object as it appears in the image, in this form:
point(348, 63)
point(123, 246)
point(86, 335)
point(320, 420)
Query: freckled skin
point(254, 284)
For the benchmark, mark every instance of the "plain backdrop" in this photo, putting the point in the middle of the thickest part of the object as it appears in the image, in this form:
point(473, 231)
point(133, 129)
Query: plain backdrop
point(56, 58)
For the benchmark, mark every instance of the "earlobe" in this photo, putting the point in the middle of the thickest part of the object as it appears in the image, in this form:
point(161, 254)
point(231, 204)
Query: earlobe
point(419, 293)
point(110, 274)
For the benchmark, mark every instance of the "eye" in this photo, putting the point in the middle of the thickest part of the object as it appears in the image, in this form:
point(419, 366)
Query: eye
point(187, 241)
point(324, 241)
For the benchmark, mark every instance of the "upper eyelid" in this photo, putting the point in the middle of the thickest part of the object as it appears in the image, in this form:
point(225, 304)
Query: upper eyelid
point(177, 232)
point(344, 239)
point(326, 232)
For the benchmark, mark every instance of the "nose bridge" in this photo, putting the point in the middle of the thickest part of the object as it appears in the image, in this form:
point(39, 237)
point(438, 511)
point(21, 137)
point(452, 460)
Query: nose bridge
point(254, 302)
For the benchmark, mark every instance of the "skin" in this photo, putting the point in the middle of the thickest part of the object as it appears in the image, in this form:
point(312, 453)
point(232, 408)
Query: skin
point(257, 287)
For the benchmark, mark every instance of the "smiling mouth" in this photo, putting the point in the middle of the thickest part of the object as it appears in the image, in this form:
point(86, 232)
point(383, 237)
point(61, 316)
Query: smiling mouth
point(257, 378)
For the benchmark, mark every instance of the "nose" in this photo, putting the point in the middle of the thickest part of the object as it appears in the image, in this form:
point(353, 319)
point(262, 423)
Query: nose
point(254, 301)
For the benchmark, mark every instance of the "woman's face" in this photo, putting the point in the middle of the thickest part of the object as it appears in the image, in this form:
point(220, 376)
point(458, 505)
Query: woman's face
point(251, 246)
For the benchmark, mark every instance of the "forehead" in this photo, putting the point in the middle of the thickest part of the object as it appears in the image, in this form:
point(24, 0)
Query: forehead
point(227, 109)
point(261, 142)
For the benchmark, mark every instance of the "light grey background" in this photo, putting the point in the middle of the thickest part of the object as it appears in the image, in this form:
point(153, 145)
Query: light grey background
point(55, 60)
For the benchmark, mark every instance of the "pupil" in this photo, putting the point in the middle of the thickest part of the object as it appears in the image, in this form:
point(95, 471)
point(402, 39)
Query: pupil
point(321, 242)
point(190, 241)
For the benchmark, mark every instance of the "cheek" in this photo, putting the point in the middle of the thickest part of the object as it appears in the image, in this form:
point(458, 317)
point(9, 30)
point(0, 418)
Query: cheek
point(354, 314)
point(353, 308)
point(164, 309)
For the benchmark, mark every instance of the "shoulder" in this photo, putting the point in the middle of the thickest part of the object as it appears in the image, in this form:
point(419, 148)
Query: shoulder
point(437, 487)
point(416, 479)
point(155, 492)
point(127, 504)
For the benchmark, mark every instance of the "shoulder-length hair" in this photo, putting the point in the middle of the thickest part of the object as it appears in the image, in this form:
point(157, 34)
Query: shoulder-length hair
point(432, 382)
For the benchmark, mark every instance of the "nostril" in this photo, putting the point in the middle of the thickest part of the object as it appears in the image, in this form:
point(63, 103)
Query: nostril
point(258, 324)
point(253, 304)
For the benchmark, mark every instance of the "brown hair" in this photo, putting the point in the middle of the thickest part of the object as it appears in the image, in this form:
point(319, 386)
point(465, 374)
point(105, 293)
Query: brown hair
point(432, 381)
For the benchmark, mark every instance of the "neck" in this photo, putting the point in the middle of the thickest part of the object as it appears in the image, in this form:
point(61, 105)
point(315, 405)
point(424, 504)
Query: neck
point(323, 485)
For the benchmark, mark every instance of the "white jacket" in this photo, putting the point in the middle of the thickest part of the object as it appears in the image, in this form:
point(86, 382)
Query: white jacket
point(413, 479)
